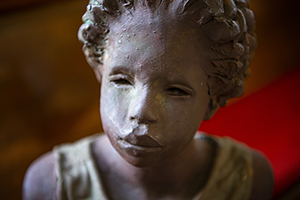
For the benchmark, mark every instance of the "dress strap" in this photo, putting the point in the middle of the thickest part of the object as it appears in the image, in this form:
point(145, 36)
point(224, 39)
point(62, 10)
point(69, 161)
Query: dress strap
point(232, 173)
point(76, 173)
point(205, 137)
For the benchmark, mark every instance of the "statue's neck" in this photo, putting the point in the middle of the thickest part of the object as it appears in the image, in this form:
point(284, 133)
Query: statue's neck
point(191, 167)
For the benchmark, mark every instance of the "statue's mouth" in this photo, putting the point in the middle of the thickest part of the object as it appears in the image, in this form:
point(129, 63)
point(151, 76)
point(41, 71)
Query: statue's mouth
point(139, 137)
point(139, 146)
point(141, 140)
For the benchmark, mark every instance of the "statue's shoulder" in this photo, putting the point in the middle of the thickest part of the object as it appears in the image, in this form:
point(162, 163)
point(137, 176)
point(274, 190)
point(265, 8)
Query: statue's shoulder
point(39, 181)
point(50, 175)
point(263, 178)
point(262, 172)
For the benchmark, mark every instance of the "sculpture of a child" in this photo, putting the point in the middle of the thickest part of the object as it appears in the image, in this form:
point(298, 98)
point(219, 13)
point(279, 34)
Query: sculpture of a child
point(164, 66)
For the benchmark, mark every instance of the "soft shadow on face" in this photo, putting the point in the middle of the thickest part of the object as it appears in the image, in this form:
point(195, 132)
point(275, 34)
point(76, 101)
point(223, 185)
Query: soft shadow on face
point(154, 93)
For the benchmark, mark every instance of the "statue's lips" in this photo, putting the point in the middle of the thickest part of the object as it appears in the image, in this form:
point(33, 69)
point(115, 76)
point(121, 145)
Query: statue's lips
point(139, 149)
point(141, 141)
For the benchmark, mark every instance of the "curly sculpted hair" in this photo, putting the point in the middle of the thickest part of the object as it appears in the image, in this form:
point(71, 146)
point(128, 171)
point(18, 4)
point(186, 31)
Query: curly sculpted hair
point(230, 25)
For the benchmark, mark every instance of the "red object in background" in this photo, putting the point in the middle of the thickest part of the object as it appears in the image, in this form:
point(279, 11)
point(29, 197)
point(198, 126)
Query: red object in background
point(268, 120)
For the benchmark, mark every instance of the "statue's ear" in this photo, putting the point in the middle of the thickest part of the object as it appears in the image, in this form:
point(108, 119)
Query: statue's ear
point(213, 106)
point(96, 67)
point(93, 61)
point(98, 74)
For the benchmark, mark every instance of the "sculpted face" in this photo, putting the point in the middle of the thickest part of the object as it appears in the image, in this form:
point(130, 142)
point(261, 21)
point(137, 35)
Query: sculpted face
point(154, 92)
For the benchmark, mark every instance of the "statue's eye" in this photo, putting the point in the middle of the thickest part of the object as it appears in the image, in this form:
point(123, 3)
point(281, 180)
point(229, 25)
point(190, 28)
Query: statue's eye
point(174, 91)
point(121, 81)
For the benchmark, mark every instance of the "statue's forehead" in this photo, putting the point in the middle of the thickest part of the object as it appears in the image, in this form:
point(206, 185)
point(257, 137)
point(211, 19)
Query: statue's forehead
point(162, 22)
point(160, 29)
point(136, 42)
point(154, 37)
point(136, 25)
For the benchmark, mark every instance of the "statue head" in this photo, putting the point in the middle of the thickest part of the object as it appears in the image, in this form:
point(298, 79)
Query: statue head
point(163, 64)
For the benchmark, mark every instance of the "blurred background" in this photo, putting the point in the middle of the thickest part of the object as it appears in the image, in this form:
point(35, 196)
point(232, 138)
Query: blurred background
point(49, 94)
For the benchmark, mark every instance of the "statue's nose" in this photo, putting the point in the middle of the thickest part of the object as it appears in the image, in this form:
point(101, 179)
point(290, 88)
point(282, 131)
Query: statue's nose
point(143, 107)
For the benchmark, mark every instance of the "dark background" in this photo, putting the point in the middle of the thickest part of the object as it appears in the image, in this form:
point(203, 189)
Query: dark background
point(49, 94)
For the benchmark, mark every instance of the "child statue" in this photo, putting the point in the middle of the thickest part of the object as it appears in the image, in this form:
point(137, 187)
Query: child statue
point(164, 66)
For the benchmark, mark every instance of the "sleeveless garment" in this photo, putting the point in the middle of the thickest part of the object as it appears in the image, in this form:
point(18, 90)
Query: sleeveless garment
point(78, 177)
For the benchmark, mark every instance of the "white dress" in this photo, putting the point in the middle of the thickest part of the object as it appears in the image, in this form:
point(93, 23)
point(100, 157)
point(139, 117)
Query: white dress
point(78, 178)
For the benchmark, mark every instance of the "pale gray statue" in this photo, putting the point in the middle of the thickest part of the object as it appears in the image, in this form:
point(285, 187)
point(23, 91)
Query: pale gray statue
point(164, 66)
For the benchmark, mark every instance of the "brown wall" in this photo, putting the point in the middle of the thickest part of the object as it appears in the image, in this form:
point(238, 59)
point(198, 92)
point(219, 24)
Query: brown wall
point(17, 5)
point(49, 95)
